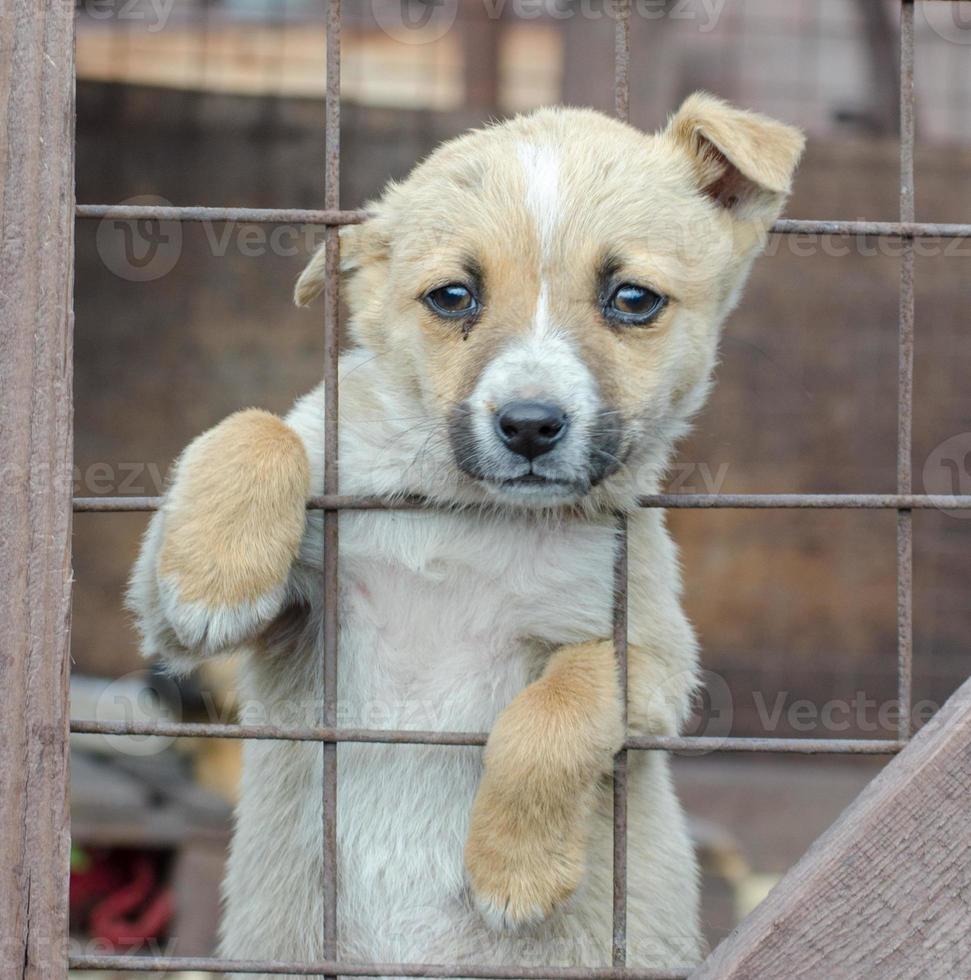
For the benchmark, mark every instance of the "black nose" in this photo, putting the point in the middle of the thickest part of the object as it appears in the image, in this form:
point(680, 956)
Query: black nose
point(531, 428)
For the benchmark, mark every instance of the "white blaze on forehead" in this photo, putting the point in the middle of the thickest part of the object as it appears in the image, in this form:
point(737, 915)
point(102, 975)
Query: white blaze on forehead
point(542, 323)
point(541, 169)
point(541, 172)
point(544, 363)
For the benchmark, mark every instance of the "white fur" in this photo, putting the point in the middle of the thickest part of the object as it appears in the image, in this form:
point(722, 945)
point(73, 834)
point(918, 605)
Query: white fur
point(202, 627)
point(541, 169)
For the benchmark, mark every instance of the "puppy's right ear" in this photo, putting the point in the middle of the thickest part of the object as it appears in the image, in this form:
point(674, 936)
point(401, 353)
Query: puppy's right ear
point(360, 244)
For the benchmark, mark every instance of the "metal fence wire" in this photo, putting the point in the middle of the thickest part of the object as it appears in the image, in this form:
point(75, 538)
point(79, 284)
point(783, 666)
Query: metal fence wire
point(904, 501)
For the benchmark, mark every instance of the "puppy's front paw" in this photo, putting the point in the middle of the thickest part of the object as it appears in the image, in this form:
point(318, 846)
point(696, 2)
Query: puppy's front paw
point(518, 883)
point(232, 524)
point(208, 628)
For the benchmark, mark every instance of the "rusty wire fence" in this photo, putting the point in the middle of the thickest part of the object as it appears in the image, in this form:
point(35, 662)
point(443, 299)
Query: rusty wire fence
point(904, 501)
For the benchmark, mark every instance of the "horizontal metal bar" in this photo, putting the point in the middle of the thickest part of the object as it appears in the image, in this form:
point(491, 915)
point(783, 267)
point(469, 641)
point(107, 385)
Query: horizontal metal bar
point(790, 746)
point(283, 732)
point(878, 229)
point(786, 226)
point(161, 964)
point(812, 501)
point(680, 501)
point(669, 743)
point(283, 216)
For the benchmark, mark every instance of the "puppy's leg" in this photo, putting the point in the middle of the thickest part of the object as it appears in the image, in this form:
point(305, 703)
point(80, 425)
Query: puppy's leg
point(215, 560)
point(545, 756)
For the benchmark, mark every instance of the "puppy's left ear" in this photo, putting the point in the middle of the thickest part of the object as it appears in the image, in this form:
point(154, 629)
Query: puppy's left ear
point(742, 160)
point(360, 244)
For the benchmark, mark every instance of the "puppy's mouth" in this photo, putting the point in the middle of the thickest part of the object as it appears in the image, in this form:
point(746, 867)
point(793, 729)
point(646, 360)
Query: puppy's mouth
point(534, 484)
point(534, 489)
point(532, 480)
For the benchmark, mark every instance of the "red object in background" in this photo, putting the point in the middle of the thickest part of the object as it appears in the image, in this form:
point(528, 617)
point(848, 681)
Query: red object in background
point(121, 898)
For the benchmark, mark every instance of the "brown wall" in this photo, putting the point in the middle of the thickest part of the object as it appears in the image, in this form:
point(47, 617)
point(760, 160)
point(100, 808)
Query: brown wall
point(805, 400)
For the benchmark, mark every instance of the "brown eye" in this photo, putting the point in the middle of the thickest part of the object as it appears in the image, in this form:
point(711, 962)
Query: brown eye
point(634, 304)
point(453, 301)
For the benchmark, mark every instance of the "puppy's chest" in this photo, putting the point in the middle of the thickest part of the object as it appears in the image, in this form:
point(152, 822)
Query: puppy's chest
point(446, 617)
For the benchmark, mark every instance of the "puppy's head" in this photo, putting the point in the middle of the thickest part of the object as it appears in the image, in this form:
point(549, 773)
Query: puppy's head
point(550, 290)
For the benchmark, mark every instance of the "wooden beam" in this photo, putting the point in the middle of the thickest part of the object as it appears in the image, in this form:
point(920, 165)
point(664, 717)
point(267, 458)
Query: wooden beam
point(886, 891)
point(36, 282)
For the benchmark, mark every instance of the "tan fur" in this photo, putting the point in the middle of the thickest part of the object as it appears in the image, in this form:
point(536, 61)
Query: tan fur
point(235, 525)
point(764, 151)
point(664, 232)
point(526, 850)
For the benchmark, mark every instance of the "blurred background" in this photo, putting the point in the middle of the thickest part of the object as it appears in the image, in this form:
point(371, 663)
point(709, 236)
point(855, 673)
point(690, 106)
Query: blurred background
point(220, 102)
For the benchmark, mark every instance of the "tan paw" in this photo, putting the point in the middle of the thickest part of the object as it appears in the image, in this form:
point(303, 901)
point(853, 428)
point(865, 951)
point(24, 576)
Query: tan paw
point(233, 521)
point(515, 885)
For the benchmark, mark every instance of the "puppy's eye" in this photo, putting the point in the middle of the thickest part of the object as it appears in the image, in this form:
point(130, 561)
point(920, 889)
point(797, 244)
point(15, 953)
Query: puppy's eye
point(634, 304)
point(453, 301)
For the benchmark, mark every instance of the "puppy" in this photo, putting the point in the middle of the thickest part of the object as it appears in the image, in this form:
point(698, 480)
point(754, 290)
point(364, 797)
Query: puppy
point(536, 312)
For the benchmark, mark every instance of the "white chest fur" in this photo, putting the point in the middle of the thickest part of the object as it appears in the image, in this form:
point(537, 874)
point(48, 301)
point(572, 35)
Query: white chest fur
point(444, 614)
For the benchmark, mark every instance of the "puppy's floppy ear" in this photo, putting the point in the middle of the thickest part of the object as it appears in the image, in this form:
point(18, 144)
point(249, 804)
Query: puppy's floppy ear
point(360, 244)
point(742, 160)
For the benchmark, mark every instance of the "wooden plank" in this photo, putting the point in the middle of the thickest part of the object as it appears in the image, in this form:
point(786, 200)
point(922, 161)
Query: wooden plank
point(886, 891)
point(36, 282)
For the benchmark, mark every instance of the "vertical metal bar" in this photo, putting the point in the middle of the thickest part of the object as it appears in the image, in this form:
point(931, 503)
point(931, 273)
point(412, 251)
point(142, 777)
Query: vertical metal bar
point(618, 953)
point(905, 377)
point(36, 324)
point(619, 946)
point(622, 60)
point(332, 124)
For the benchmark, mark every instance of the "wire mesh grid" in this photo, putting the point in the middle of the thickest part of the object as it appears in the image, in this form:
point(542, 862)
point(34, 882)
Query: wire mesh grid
point(904, 501)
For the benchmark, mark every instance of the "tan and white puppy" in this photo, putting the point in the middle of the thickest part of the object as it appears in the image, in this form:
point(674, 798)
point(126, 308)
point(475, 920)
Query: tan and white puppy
point(536, 312)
